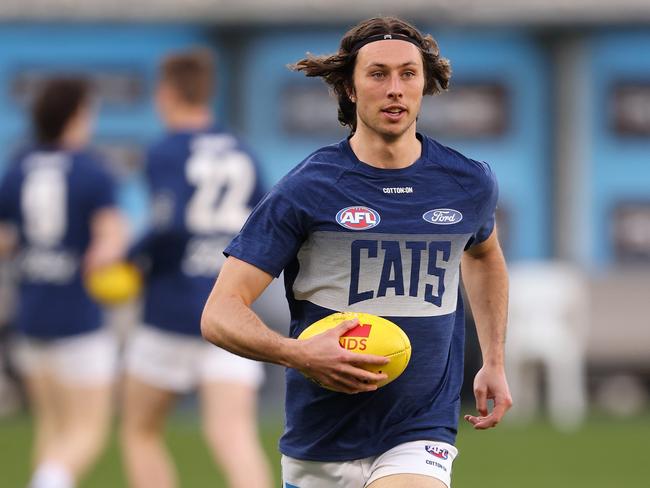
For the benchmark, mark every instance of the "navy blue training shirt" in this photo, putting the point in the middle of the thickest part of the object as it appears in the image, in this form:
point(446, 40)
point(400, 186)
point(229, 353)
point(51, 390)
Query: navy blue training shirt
point(51, 196)
point(352, 237)
point(203, 185)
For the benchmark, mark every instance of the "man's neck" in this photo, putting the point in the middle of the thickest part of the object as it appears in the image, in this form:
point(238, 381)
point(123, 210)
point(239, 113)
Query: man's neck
point(376, 150)
point(187, 119)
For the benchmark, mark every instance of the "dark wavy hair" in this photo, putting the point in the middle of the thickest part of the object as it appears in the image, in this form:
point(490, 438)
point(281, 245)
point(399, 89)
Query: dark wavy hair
point(55, 105)
point(337, 69)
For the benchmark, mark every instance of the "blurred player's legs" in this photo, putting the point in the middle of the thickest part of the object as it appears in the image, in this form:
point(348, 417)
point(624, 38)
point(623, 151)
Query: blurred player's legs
point(230, 426)
point(83, 424)
point(229, 385)
point(161, 365)
point(147, 460)
point(71, 404)
point(46, 410)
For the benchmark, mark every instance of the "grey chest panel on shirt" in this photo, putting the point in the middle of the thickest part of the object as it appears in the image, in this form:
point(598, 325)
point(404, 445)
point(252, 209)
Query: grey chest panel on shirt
point(407, 275)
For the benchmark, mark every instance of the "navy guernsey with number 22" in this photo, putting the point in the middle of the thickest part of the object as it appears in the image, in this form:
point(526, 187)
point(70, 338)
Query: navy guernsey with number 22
point(203, 185)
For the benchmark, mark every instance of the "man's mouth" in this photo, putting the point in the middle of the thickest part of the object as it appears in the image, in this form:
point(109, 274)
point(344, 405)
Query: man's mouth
point(394, 110)
point(394, 113)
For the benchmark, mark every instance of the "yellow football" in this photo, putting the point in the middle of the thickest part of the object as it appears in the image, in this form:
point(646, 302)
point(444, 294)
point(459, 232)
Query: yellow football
point(374, 335)
point(114, 284)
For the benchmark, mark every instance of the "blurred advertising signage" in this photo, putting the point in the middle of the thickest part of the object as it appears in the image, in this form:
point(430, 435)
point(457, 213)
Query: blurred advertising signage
point(630, 108)
point(308, 110)
point(466, 111)
point(632, 231)
point(124, 157)
point(115, 86)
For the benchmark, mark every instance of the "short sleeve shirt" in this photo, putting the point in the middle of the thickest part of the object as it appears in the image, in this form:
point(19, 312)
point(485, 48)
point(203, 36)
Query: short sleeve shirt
point(353, 237)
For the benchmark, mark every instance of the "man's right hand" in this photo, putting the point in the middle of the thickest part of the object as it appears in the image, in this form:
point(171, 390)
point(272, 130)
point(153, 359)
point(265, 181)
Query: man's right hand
point(322, 359)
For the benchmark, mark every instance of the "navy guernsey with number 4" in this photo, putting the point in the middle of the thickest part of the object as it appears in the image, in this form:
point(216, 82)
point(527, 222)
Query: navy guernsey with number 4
point(203, 185)
point(352, 237)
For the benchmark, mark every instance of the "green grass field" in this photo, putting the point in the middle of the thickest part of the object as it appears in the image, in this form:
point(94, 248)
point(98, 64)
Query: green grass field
point(606, 453)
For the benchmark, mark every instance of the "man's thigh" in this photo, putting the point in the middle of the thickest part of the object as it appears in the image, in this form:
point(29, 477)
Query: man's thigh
point(145, 406)
point(407, 481)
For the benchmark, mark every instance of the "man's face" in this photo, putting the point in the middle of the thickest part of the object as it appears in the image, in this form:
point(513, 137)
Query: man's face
point(79, 129)
point(388, 86)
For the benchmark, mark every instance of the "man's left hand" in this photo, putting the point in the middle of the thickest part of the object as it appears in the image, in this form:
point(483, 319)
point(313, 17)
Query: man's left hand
point(490, 384)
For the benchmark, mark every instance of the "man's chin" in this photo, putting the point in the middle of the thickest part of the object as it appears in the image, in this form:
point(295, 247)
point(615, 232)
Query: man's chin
point(390, 131)
point(394, 132)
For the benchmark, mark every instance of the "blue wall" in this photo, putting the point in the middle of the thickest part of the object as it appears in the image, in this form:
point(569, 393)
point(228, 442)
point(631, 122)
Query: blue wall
point(620, 164)
point(264, 77)
point(521, 157)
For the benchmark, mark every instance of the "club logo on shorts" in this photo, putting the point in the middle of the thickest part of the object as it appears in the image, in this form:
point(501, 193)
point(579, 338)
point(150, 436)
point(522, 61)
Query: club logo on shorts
point(443, 216)
point(437, 451)
point(358, 218)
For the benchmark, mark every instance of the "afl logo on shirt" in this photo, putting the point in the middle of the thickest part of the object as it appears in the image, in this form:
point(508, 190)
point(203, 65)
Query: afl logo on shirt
point(443, 216)
point(358, 218)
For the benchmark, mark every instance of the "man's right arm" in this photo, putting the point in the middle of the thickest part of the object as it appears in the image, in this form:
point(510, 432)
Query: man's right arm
point(229, 322)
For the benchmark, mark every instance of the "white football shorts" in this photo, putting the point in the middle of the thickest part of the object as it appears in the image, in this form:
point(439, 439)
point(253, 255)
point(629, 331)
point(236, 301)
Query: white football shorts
point(428, 458)
point(88, 359)
point(179, 363)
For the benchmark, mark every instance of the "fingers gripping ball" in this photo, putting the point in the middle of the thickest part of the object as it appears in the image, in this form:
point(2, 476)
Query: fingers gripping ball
point(374, 335)
point(114, 284)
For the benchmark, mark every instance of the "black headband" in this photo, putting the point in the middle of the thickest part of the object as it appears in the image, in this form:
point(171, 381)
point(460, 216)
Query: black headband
point(383, 37)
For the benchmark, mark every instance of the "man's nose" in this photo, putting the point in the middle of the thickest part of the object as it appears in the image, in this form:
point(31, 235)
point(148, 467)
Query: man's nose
point(395, 86)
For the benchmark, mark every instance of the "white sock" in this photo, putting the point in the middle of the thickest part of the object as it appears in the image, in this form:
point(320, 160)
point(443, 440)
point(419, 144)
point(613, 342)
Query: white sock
point(51, 475)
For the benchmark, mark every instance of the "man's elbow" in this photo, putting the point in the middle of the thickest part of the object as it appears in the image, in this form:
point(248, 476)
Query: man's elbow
point(210, 326)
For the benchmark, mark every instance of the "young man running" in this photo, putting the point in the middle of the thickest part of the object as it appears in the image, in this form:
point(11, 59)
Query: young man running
point(419, 210)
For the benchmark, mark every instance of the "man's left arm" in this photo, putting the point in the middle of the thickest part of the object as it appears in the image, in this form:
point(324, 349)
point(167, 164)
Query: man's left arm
point(486, 281)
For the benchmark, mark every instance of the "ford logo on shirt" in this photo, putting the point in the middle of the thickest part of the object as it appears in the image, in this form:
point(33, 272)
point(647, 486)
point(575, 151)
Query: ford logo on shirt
point(443, 216)
point(357, 218)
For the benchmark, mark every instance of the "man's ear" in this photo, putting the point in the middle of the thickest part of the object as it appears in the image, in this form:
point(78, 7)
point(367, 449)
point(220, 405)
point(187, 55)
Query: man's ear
point(351, 94)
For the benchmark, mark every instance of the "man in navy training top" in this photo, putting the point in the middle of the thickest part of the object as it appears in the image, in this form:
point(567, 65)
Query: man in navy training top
point(59, 198)
point(203, 185)
point(378, 223)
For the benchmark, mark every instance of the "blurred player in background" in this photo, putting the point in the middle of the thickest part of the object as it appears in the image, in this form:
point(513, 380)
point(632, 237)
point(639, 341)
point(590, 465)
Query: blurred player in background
point(377, 223)
point(203, 184)
point(58, 203)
